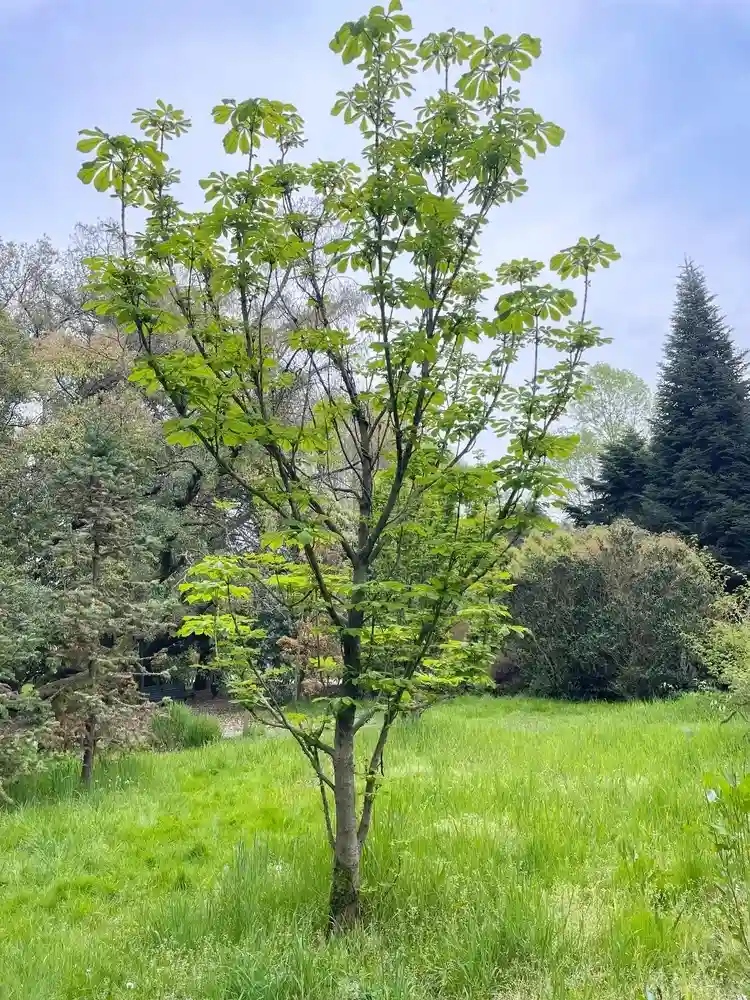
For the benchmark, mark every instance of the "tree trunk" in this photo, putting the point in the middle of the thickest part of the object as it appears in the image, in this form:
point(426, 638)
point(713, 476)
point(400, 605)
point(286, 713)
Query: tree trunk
point(89, 749)
point(345, 906)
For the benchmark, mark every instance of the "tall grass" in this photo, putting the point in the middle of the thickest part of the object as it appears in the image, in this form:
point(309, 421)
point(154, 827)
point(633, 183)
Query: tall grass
point(176, 727)
point(521, 850)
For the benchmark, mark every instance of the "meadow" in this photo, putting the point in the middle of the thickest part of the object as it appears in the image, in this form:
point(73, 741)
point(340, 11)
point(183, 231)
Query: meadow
point(522, 850)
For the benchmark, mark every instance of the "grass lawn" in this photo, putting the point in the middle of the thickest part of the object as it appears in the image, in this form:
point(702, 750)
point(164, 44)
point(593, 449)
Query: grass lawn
point(521, 850)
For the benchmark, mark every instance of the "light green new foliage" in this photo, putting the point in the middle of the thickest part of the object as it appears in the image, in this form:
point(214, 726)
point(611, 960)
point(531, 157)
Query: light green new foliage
point(613, 403)
point(616, 401)
point(725, 649)
point(528, 850)
point(391, 403)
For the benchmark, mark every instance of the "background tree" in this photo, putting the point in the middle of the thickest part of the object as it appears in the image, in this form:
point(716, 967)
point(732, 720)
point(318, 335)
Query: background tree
point(391, 405)
point(701, 432)
point(16, 377)
point(616, 404)
point(97, 546)
point(617, 401)
point(26, 729)
point(52, 388)
point(41, 286)
point(619, 489)
point(612, 612)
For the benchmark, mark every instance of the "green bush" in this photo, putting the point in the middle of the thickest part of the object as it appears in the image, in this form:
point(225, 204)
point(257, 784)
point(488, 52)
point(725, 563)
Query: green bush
point(613, 612)
point(176, 727)
point(725, 649)
point(26, 726)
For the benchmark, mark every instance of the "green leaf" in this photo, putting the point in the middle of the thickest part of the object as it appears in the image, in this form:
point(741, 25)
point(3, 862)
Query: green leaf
point(554, 134)
point(86, 145)
point(221, 113)
point(352, 50)
point(183, 438)
point(231, 141)
point(339, 40)
point(102, 179)
point(530, 44)
point(87, 172)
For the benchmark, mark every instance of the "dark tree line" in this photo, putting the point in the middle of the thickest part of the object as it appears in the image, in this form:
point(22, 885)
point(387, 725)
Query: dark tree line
point(693, 476)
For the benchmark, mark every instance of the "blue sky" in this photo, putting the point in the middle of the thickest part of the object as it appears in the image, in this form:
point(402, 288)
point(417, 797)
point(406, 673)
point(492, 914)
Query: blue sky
point(653, 95)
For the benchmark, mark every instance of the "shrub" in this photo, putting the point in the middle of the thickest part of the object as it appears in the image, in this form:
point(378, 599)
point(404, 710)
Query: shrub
point(613, 612)
point(725, 647)
point(26, 726)
point(176, 727)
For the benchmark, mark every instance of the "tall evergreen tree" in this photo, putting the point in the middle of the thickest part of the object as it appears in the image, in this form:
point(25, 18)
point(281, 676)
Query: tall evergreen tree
point(619, 489)
point(700, 480)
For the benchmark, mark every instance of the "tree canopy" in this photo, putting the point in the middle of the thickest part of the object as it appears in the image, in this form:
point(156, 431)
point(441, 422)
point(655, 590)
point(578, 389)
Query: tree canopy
point(691, 477)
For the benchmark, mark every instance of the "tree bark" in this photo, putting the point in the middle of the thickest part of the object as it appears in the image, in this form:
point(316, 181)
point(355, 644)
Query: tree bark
point(345, 905)
point(89, 749)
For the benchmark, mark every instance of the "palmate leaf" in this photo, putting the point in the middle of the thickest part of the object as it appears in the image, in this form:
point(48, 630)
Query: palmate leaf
point(103, 178)
point(86, 145)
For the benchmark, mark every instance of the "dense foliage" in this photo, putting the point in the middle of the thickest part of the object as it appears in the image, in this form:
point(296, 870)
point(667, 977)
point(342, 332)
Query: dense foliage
point(618, 488)
point(700, 451)
point(27, 728)
point(693, 476)
point(99, 518)
point(612, 612)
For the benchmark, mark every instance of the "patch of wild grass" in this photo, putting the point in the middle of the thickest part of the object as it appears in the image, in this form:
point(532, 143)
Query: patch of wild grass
point(522, 849)
point(176, 726)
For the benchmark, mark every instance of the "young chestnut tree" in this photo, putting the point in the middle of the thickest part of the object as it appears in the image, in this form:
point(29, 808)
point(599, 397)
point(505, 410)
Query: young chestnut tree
point(374, 469)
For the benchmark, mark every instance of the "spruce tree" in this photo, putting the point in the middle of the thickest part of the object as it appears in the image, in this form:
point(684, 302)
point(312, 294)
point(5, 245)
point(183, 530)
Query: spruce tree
point(96, 555)
point(618, 491)
point(700, 478)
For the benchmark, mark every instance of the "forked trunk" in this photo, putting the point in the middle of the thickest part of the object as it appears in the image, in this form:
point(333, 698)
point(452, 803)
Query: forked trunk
point(89, 750)
point(345, 906)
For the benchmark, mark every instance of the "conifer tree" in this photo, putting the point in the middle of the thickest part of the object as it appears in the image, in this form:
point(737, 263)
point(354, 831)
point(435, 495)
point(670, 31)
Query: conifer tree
point(618, 491)
point(700, 480)
point(105, 599)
